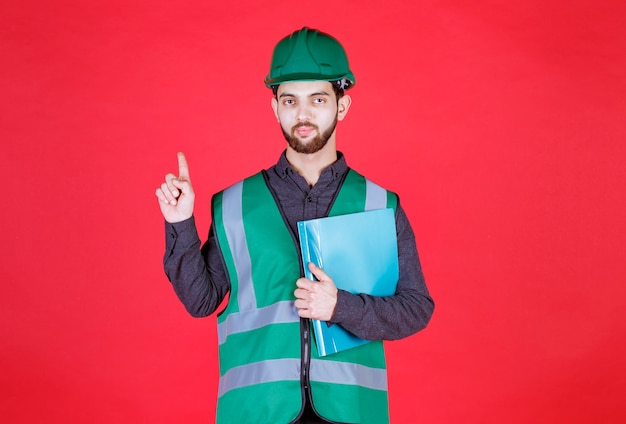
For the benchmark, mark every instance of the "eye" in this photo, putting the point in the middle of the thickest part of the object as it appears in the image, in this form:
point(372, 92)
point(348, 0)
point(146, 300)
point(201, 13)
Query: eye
point(319, 100)
point(289, 102)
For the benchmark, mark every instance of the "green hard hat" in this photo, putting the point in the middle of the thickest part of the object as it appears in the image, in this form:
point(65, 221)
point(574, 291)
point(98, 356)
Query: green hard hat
point(310, 55)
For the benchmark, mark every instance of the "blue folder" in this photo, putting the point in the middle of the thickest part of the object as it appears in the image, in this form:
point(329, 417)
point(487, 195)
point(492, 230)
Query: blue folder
point(359, 252)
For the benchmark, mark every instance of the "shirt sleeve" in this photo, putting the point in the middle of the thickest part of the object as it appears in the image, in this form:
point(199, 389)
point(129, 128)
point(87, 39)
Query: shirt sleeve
point(392, 317)
point(197, 274)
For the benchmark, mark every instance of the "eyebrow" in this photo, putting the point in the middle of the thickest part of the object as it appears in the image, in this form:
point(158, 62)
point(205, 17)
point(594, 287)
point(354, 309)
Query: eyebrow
point(318, 93)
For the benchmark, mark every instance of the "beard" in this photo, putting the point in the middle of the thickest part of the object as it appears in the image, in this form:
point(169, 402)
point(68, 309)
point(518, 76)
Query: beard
point(314, 145)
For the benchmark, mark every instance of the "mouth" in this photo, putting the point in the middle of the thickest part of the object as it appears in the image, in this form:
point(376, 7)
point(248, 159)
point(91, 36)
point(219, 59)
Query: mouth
point(304, 129)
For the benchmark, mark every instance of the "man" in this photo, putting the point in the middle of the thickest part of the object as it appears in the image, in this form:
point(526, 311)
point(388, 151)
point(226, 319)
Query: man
point(269, 368)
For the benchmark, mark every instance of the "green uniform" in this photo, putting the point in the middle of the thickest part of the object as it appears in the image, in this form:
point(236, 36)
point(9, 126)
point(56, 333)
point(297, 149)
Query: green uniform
point(266, 358)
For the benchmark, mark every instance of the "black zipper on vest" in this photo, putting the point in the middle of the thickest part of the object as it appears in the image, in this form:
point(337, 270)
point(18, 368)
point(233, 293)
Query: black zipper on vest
point(305, 333)
point(305, 323)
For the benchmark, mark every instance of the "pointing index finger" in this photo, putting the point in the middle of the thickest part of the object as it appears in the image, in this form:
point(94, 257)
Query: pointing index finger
point(183, 168)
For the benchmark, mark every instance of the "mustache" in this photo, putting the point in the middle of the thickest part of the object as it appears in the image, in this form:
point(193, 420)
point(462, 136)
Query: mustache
point(303, 124)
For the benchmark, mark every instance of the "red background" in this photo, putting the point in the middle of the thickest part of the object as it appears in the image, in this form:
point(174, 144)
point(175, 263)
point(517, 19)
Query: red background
point(500, 123)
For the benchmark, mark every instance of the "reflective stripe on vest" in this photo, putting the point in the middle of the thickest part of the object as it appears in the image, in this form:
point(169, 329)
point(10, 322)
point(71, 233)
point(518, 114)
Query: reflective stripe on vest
point(375, 196)
point(233, 223)
point(320, 371)
point(257, 373)
point(280, 312)
point(348, 373)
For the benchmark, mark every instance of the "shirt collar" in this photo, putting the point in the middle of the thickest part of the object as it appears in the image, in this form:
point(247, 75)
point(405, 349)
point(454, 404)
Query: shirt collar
point(336, 169)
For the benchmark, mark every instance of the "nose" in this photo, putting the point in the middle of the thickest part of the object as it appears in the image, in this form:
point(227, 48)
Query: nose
point(303, 112)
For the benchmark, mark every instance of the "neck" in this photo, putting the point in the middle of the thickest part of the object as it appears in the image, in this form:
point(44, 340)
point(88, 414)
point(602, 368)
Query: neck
point(310, 166)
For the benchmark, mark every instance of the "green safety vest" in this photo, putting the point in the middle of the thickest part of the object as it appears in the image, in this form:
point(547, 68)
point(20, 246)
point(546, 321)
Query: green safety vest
point(259, 334)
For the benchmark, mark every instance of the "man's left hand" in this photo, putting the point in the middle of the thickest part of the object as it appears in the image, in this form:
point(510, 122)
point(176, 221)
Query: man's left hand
point(316, 299)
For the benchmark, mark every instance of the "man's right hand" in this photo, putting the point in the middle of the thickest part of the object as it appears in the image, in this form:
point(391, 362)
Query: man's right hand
point(176, 196)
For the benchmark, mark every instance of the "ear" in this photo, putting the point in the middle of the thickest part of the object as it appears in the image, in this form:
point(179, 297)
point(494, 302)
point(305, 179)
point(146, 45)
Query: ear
point(275, 108)
point(343, 106)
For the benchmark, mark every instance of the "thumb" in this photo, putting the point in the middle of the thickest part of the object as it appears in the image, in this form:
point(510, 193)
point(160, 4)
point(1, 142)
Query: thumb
point(318, 272)
point(184, 185)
